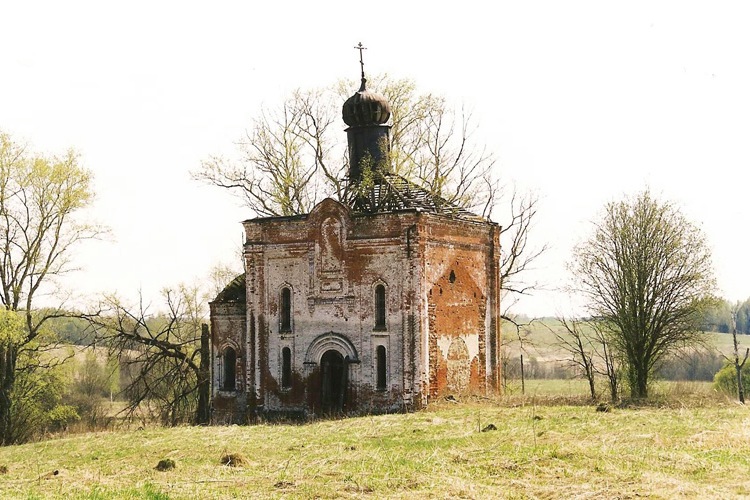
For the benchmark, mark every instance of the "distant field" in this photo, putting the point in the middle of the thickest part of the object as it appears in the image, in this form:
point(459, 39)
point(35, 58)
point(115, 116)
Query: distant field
point(536, 450)
point(538, 340)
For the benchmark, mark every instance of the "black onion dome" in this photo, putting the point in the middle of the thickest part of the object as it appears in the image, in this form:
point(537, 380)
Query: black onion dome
point(366, 108)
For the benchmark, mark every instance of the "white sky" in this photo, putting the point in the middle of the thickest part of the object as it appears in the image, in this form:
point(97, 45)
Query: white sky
point(582, 102)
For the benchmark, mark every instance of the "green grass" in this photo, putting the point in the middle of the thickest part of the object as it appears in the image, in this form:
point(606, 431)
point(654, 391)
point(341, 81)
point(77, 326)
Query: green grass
point(564, 451)
point(578, 389)
point(688, 441)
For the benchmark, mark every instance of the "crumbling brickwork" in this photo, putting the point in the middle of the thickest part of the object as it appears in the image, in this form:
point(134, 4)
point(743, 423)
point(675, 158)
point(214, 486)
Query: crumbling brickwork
point(373, 304)
point(439, 309)
point(463, 307)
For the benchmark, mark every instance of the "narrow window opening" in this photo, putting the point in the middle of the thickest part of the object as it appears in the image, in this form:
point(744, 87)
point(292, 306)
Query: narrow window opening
point(285, 319)
point(286, 368)
point(380, 307)
point(452, 277)
point(380, 361)
point(229, 362)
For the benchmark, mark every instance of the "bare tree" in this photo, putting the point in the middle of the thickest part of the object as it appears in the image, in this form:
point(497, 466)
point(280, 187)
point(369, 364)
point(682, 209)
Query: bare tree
point(444, 159)
point(283, 158)
point(646, 273)
point(608, 356)
point(294, 156)
point(41, 199)
point(516, 342)
point(518, 254)
point(576, 342)
point(587, 343)
point(291, 156)
point(166, 354)
point(738, 365)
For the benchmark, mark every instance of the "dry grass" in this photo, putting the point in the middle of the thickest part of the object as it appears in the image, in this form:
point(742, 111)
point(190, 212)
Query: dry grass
point(234, 460)
point(536, 451)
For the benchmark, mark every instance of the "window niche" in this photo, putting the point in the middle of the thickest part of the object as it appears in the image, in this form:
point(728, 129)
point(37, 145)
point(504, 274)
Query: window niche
point(285, 310)
point(229, 369)
point(286, 368)
point(381, 370)
point(380, 306)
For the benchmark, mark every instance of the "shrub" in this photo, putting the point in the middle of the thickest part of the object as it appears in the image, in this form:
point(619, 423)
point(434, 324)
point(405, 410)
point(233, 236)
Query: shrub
point(725, 379)
point(61, 416)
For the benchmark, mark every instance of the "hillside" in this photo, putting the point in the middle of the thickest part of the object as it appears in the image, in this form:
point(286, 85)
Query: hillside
point(536, 341)
point(702, 450)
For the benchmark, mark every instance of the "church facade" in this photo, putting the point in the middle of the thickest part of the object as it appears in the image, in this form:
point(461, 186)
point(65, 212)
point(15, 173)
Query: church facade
point(376, 303)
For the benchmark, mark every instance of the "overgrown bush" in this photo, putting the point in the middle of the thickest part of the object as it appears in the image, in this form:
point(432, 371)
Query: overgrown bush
point(61, 416)
point(726, 379)
point(35, 394)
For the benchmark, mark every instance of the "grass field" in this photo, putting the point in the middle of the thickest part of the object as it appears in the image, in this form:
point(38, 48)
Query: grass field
point(692, 447)
point(549, 442)
point(538, 338)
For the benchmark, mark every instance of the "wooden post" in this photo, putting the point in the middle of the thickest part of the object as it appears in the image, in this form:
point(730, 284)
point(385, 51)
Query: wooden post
point(203, 411)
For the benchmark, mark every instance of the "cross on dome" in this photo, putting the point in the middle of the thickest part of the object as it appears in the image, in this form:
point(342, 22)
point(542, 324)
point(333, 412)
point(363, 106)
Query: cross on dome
point(361, 48)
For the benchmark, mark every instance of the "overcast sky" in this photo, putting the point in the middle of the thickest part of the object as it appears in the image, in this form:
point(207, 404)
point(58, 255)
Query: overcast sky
point(581, 102)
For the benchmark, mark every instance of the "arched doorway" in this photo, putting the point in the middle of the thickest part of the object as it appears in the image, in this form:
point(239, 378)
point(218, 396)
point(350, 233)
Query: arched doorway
point(334, 372)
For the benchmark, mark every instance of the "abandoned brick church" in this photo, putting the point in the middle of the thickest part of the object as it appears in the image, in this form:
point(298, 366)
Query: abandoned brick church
point(375, 304)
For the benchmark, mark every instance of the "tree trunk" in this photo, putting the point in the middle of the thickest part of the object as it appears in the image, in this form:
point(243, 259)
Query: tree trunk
point(612, 376)
point(590, 376)
point(737, 365)
point(7, 380)
point(613, 389)
point(638, 381)
point(204, 386)
point(740, 390)
point(642, 383)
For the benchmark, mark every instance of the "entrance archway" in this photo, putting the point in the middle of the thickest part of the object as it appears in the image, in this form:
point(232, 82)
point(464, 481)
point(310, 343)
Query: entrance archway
point(334, 374)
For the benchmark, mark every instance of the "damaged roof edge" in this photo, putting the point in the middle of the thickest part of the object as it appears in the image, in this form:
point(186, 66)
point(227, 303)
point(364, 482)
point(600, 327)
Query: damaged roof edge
point(235, 291)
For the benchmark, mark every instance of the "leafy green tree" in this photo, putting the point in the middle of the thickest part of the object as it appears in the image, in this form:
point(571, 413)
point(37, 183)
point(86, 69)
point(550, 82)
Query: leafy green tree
point(41, 199)
point(37, 393)
point(646, 272)
point(61, 416)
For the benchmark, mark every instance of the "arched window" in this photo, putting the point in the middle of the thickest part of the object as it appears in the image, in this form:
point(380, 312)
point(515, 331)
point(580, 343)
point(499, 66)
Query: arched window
point(380, 307)
point(285, 317)
point(380, 366)
point(229, 363)
point(286, 368)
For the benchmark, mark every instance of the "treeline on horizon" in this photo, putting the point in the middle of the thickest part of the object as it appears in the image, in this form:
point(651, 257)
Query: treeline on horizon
point(718, 319)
